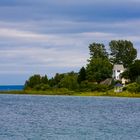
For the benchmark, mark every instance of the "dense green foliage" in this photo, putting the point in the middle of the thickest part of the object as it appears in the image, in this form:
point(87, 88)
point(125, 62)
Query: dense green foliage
point(134, 75)
point(81, 75)
point(133, 87)
point(91, 86)
point(54, 81)
point(133, 71)
point(99, 67)
point(37, 82)
point(122, 52)
point(33, 81)
point(44, 79)
point(69, 81)
point(98, 50)
point(98, 70)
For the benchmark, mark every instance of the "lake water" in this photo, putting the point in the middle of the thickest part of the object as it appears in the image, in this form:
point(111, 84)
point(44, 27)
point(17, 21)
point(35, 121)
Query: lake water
point(69, 118)
point(11, 87)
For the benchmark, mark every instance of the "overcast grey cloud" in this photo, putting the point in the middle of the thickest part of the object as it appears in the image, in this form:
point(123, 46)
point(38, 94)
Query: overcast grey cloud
point(49, 36)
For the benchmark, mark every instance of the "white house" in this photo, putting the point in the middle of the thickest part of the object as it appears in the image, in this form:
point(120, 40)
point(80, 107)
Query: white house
point(117, 70)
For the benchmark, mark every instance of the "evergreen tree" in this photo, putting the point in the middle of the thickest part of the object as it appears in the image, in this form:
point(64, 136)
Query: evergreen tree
point(44, 79)
point(81, 75)
point(33, 81)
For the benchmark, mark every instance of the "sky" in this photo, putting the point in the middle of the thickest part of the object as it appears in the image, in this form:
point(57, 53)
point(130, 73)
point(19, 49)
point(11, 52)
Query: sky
point(52, 36)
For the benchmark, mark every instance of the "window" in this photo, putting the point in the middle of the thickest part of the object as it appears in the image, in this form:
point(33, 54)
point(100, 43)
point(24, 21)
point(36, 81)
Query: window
point(118, 71)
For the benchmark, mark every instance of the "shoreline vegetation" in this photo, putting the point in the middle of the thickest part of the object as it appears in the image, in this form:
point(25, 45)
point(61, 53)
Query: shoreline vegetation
point(110, 93)
point(96, 79)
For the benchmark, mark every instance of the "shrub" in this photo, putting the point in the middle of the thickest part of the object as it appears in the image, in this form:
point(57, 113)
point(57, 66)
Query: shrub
point(138, 80)
point(134, 87)
point(42, 87)
point(90, 86)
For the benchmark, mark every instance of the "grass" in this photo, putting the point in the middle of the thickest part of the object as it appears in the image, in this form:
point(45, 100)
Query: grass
point(73, 93)
point(35, 92)
point(109, 93)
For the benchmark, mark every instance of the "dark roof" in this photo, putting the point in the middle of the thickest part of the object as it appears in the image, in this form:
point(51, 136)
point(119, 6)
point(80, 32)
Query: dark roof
point(108, 81)
point(118, 85)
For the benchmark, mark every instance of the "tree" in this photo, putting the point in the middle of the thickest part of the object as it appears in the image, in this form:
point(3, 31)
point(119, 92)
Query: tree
point(33, 81)
point(44, 79)
point(134, 70)
point(98, 70)
point(81, 75)
point(125, 74)
point(54, 81)
point(138, 80)
point(69, 81)
point(98, 50)
point(122, 52)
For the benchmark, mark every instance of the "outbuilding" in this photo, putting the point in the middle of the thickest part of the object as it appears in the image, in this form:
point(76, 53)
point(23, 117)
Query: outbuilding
point(118, 87)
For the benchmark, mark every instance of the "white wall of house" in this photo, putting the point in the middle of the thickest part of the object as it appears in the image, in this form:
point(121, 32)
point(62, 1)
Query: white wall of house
point(117, 70)
point(116, 74)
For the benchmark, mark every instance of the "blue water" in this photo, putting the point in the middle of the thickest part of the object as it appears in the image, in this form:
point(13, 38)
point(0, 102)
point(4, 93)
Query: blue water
point(68, 118)
point(11, 87)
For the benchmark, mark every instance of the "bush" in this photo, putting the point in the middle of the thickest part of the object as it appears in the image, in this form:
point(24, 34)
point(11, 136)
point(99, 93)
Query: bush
point(138, 80)
point(134, 87)
point(42, 87)
point(90, 86)
point(103, 88)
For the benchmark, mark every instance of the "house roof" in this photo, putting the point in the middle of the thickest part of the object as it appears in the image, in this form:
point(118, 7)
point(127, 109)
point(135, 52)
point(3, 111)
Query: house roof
point(118, 67)
point(108, 81)
point(118, 85)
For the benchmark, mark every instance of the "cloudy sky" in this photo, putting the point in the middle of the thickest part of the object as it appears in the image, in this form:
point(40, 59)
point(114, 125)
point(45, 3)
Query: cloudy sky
point(49, 36)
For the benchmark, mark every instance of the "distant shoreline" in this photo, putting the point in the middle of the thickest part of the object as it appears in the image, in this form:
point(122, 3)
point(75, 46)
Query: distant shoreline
point(11, 87)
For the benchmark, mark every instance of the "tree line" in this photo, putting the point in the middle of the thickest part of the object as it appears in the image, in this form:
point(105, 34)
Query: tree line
point(99, 68)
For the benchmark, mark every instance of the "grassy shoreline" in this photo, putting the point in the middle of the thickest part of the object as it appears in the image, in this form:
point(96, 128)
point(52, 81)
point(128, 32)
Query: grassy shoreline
point(74, 93)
